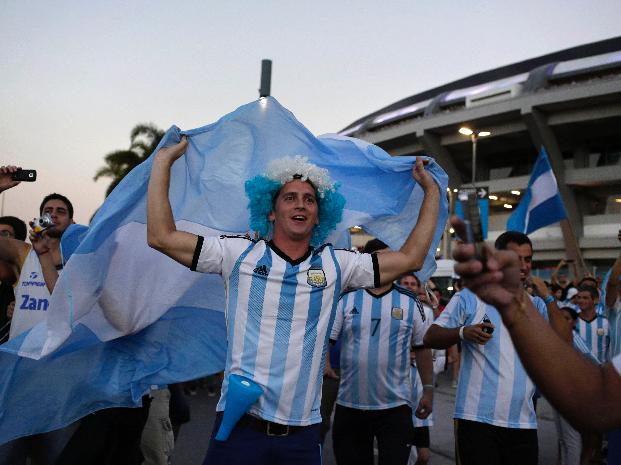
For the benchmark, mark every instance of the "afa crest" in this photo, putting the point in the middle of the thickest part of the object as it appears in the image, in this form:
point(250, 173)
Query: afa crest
point(397, 313)
point(316, 277)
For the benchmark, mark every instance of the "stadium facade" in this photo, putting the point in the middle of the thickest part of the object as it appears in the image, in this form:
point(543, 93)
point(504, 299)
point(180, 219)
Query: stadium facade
point(568, 102)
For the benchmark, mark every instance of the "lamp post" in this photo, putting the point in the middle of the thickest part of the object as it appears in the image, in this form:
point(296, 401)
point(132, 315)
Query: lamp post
point(474, 136)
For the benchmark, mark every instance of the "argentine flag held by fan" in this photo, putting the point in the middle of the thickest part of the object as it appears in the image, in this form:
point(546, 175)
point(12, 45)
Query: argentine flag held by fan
point(124, 317)
point(541, 204)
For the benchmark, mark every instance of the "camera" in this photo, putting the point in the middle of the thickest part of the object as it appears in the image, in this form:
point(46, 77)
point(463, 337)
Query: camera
point(42, 223)
point(24, 175)
point(487, 329)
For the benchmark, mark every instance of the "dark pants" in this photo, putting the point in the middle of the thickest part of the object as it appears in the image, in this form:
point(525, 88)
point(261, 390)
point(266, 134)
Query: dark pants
point(329, 391)
point(354, 430)
point(614, 447)
point(482, 444)
point(248, 446)
point(41, 449)
point(107, 437)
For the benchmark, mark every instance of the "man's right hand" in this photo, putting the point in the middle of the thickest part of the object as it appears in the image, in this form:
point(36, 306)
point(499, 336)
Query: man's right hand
point(498, 283)
point(39, 241)
point(173, 152)
point(10, 309)
point(328, 372)
point(5, 177)
point(475, 333)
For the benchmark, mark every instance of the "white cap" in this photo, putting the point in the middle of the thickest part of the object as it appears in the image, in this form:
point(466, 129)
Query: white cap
point(571, 293)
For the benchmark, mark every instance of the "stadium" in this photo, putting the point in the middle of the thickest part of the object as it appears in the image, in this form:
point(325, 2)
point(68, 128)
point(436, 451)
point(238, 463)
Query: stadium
point(569, 102)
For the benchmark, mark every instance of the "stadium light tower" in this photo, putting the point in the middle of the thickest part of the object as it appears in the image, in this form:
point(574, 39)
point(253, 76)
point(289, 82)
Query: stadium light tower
point(474, 135)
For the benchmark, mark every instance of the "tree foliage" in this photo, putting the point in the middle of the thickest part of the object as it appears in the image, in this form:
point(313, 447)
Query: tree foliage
point(143, 141)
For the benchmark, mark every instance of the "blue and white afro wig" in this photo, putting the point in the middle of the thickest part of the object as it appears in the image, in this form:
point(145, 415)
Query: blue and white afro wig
point(262, 190)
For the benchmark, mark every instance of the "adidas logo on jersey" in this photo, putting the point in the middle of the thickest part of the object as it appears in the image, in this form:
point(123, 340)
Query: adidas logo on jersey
point(354, 311)
point(261, 270)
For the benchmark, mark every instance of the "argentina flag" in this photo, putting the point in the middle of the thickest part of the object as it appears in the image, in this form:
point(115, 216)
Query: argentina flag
point(541, 204)
point(124, 317)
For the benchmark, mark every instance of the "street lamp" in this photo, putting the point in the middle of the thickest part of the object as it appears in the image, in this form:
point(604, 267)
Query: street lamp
point(474, 135)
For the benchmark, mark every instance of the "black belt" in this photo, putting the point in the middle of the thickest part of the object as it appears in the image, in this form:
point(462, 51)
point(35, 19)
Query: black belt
point(267, 427)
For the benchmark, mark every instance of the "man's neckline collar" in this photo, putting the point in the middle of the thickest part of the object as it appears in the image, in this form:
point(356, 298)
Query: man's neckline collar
point(285, 257)
point(379, 296)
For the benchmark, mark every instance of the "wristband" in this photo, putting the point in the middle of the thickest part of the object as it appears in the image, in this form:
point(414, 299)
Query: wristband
point(548, 300)
point(427, 386)
point(461, 332)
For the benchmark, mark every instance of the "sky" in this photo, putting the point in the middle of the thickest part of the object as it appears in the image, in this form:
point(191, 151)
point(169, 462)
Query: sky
point(76, 76)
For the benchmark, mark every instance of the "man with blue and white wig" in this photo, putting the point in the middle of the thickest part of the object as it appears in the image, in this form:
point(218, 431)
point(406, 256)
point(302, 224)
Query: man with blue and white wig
point(281, 295)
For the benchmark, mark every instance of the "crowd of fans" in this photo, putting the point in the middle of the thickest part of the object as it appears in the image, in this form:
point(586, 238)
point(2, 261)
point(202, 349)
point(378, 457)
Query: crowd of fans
point(495, 407)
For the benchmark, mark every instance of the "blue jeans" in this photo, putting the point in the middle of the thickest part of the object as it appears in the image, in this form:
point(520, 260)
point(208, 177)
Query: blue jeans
point(246, 445)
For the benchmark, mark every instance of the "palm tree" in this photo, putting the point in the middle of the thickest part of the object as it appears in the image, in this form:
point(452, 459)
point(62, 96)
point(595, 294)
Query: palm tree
point(143, 141)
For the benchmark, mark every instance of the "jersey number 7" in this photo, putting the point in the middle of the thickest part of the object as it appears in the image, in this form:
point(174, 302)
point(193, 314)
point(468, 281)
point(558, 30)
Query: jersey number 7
point(377, 322)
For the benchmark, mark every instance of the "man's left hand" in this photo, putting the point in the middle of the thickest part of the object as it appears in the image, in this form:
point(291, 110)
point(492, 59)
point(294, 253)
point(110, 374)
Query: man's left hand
point(540, 287)
point(425, 406)
point(5, 177)
point(422, 176)
point(40, 241)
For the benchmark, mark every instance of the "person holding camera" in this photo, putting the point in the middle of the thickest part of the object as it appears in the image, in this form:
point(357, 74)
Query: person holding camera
point(495, 420)
point(564, 376)
point(35, 266)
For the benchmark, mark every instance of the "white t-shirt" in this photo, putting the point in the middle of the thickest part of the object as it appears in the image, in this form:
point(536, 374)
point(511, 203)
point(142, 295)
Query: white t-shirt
point(31, 296)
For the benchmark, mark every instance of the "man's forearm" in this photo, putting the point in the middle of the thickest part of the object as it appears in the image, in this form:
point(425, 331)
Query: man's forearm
point(564, 376)
point(50, 274)
point(438, 337)
point(419, 240)
point(160, 220)
point(612, 286)
point(424, 364)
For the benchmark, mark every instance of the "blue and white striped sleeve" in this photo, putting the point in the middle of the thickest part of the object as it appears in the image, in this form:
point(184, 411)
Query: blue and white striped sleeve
point(455, 313)
point(215, 254)
point(419, 325)
point(581, 346)
point(359, 270)
point(338, 318)
point(541, 307)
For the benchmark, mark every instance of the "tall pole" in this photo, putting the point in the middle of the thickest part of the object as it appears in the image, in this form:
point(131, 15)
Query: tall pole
point(266, 78)
point(473, 138)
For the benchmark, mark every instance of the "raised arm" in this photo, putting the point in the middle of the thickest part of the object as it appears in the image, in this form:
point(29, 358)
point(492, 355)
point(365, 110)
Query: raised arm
point(412, 254)
point(5, 177)
point(554, 314)
point(162, 233)
point(612, 286)
point(563, 375)
point(557, 268)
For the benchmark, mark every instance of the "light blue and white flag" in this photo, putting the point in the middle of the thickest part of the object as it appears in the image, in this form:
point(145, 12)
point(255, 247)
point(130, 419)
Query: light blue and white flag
point(541, 204)
point(114, 285)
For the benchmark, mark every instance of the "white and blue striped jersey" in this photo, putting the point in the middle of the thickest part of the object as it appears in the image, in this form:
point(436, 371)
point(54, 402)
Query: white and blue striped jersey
point(493, 386)
point(582, 347)
point(595, 334)
point(376, 333)
point(278, 312)
point(614, 329)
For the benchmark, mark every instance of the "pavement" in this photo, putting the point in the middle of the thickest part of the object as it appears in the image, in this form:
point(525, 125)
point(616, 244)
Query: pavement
point(194, 436)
